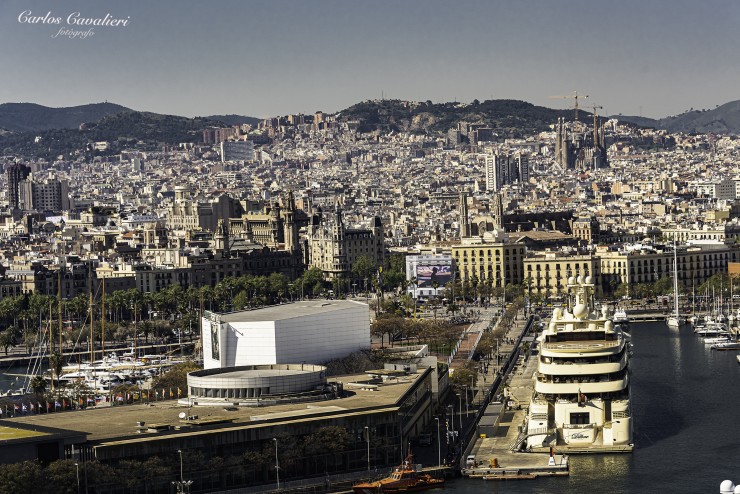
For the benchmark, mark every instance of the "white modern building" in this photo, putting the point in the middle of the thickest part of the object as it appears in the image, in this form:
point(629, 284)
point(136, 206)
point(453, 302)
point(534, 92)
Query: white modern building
point(313, 332)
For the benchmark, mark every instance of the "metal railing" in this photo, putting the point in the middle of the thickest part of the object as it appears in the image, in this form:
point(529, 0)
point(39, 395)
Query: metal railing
point(468, 435)
point(528, 433)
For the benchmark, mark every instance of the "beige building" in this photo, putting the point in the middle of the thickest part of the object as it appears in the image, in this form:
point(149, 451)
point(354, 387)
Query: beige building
point(333, 248)
point(547, 273)
point(696, 264)
point(490, 257)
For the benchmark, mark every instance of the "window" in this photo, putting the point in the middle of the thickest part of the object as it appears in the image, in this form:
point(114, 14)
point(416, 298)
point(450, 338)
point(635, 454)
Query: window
point(579, 418)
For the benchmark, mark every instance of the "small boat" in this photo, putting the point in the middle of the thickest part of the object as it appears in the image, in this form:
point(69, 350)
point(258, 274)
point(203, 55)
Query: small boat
point(620, 317)
point(404, 478)
point(727, 345)
point(716, 339)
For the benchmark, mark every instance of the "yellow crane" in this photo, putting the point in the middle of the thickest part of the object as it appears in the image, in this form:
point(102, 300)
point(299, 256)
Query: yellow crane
point(574, 97)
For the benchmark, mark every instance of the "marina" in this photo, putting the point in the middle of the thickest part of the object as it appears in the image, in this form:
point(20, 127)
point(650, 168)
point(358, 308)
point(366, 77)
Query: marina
point(672, 452)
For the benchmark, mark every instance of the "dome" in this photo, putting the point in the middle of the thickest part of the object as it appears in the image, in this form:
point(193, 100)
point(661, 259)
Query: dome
point(726, 486)
point(737, 489)
point(589, 280)
point(572, 280)
point(580, 311)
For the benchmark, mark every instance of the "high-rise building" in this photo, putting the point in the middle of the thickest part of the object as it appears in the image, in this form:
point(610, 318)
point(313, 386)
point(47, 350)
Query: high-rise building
point(237, 151)
point(464, 220)
point(503, 169)
point(494, 172)
point(214, 135)
point(16, 174)
point(50, 195)
point(521, 168)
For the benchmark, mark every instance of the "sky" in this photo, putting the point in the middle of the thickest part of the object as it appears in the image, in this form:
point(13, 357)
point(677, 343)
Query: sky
point(275, 57)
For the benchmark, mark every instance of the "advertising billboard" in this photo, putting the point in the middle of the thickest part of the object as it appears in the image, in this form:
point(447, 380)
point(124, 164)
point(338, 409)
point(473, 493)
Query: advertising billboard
point(426, 275)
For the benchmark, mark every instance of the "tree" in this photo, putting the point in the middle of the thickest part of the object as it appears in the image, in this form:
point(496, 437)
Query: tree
point(277, 285)
point(391, 325)
point(21, 477)
point(663, 286)
point(7, 339)
point(56, 362)
point(364, 267)
point(62, 475)
point(462, 376)
point(328, 442)
point(38, 385)
point(147, 328)
point(176, 377)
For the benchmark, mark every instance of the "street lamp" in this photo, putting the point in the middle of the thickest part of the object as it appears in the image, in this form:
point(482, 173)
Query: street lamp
point(467, 411)
point(182, 485)
point(77, 466)
point(439, 444)
point(179, 451)
point(472, 390)
point(459, 415)
point(367, 437)
point(277, 464)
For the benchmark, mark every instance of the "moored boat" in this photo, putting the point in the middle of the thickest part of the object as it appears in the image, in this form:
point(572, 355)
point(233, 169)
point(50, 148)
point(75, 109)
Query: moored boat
point(581, 396)
point(404, 478)
point(620, 317)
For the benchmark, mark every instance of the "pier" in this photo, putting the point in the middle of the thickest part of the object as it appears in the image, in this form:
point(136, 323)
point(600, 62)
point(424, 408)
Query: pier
point(646, 316)
point(496, 426)
point(18, 359)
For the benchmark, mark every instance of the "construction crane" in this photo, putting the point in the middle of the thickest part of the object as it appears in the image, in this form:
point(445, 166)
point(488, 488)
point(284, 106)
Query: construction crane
point(596, 131)
point(573, 96)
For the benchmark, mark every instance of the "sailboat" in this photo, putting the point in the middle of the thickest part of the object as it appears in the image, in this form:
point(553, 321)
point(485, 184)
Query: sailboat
point(675, 321)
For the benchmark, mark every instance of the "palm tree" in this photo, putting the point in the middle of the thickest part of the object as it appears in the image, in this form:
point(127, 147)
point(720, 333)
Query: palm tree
point(56, 362)
point(38, 385)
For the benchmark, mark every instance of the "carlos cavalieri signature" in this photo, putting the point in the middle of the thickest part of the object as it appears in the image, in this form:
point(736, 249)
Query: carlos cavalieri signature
point(74, 25)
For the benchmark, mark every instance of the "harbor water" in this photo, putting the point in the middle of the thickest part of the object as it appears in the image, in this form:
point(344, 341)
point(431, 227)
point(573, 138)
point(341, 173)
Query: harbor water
point(13, 377)
point(686, 404)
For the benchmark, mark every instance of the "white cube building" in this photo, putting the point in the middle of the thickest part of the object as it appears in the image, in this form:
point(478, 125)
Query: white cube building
point(313, 331)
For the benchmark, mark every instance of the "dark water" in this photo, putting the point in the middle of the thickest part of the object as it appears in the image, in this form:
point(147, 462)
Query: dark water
point(686, 404)
point(12, 377)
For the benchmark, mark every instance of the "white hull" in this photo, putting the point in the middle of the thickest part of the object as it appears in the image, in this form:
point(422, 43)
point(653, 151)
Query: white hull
point(581, 394)
point(674, 322)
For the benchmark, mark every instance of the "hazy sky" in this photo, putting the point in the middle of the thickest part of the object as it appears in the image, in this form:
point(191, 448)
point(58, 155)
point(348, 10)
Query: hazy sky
point(271, 57)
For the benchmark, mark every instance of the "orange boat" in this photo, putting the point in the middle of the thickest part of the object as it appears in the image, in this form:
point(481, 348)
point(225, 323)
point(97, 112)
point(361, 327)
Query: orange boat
point(403, 479)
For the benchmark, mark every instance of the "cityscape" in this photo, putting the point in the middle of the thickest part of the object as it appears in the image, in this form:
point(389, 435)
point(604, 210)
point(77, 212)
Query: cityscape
point(360, 283)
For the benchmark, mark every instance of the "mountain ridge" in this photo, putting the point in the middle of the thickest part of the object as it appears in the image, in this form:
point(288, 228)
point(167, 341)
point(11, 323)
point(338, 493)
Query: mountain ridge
point(724, 119)
point(33, 117)
point(29, 117)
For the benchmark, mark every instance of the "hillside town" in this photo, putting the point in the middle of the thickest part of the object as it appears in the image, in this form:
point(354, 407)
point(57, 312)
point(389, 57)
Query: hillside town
point(309, 191)
point(305, 297)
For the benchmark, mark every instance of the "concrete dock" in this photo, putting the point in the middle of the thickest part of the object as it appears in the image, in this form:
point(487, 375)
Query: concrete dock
point(493, 455)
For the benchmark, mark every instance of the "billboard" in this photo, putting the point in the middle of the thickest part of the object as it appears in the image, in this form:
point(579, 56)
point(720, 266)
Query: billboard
point(426, 275)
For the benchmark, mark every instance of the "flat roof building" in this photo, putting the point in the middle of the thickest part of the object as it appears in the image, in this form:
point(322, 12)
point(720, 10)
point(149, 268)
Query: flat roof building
point(313, 332)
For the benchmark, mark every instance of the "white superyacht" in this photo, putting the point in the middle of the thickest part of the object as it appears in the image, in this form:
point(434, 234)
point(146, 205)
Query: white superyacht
point(581, 399)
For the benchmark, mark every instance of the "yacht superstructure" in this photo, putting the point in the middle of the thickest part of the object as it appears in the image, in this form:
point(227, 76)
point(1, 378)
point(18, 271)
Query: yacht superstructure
point(581, 393)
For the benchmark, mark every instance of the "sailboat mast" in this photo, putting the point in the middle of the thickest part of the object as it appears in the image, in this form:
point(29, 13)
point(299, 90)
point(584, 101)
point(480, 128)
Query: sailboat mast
point(59, 308)
point(102, 321)
point(675, 278)
point(92, 335)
